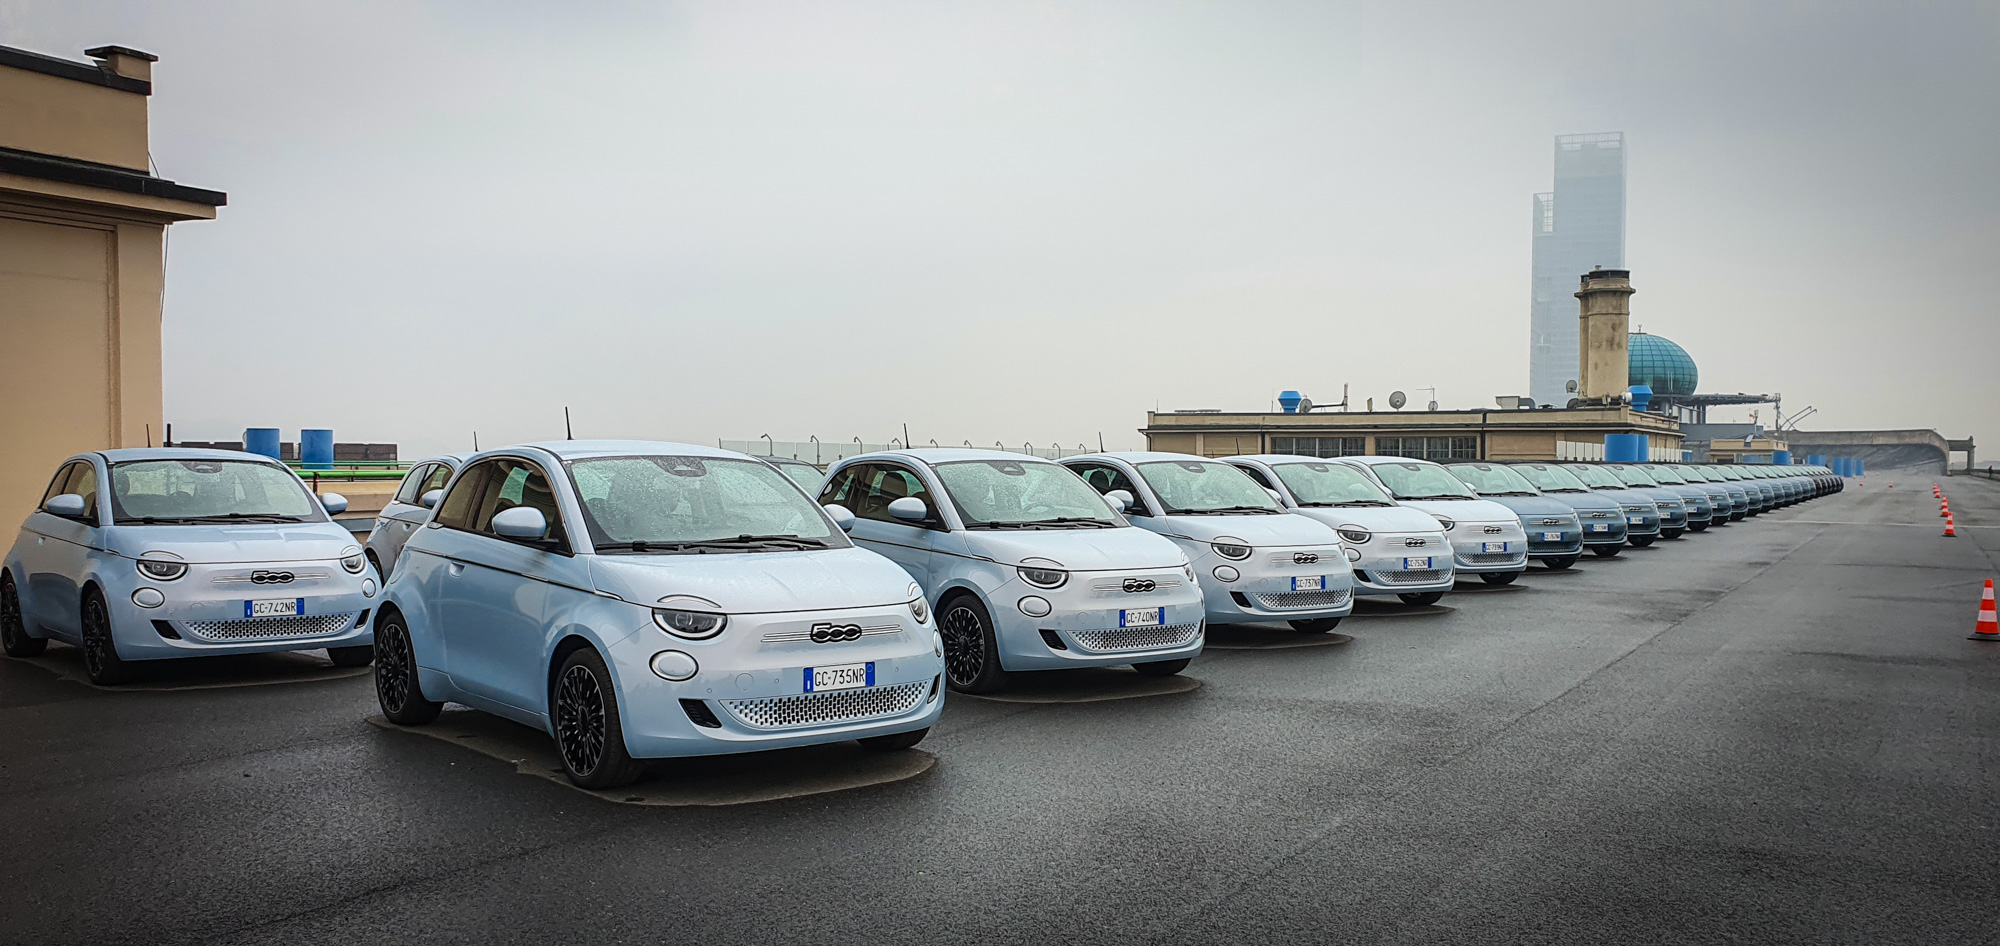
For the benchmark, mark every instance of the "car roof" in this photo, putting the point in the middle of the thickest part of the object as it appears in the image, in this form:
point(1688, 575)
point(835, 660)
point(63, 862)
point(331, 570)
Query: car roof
point(1142, 456)
point(582, 449)
point(786, 460)
point(936, 455)
point(129, 454)
point(1372, 458)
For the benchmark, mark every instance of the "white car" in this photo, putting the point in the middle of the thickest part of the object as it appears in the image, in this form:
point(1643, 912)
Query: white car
point(408, 509)
point(1486, 538)
point(1254, 561)
point(1395, 550)
point(164, 552)
point(1026, 566)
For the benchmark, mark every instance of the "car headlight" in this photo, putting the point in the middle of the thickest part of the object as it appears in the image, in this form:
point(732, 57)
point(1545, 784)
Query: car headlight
point(354, 563)
point(1187, 568)
point(1043, 577)
point(693, 625)
point(159, 569)
point(919, 609)
point(1355, 534)
point(1231, 548)
point(1446, 523)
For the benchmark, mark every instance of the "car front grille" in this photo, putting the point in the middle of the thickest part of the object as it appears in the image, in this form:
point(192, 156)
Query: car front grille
point(313, 625)
point(1136, 638)
point(1562, 546)
point(1299, 600)
point(833, 706)
point(1421, 576)
point(1492, 558)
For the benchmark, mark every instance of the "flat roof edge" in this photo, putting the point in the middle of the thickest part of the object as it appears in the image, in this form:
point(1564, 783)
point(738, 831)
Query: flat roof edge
point(70, 69)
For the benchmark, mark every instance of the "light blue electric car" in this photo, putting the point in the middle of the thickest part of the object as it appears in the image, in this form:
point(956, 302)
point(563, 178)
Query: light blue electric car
point(1026, 566)
point(1698, 501)
point(1253, 560)
point(1676, 510)
point(1486, 538)
point(1555, 533)
point(1642, 518)
point(409, 508)
point(645, 600)
point(1395, 550)
point(156, 553)
point(1601, 517)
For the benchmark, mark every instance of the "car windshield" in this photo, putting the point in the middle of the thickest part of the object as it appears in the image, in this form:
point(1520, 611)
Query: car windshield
point(1003, 494)
point(677, 504)
point(180, 492)
point(1595, 476)
point(1666, 474)
point(1330, 484)
point(1550, 478)
point(1700, 473)
point(805, 474)
point(1633, 476)
point(1412, 480)
point(1203, 487)
point(1492, 479)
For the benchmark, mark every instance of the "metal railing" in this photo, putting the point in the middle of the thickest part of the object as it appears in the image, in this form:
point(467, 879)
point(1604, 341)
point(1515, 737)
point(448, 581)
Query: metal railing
point(820, 453)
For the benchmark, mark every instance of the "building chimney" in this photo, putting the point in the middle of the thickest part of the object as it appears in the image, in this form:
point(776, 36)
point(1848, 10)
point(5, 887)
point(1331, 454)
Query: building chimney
point(1605, 314)
point(124, 61)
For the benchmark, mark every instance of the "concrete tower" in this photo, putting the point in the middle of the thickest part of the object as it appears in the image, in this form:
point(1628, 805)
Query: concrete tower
point(1578, 227)
point(1604, 320)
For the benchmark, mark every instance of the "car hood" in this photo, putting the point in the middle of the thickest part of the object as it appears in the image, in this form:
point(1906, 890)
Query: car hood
point(1658, 493)
point(756, 582)
point(1534, 505)
point(1262, 531)
point(1464, 510)
point(1079, 549)
point(232, 544)
point(1593, 501)
point(1624, 495)
point(1389, 520)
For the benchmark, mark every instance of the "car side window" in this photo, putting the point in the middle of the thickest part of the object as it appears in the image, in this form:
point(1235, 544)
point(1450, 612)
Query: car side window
point(413, 484)
point(844, 486)
point(83, 482)
point(457, 508)
point(438, 476)
point(63, 473)
point(1256, 474)
point(518, 483)
point(1104, 478)
point(885, 484)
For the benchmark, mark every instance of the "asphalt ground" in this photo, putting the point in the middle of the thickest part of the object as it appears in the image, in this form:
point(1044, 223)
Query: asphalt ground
point(1775, 732)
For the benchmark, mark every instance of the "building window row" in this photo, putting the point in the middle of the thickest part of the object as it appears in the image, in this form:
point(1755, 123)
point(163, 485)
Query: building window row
point(1320, 446)
point(1429, 448)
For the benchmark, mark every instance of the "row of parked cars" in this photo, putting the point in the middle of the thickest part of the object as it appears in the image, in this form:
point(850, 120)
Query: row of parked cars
point(643, 600)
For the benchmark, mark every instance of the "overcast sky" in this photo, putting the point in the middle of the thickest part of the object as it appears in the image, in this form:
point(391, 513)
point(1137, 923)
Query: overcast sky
point(1036, 221)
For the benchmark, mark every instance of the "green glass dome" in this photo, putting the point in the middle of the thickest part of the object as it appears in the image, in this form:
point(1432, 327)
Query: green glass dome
point(1661, 365)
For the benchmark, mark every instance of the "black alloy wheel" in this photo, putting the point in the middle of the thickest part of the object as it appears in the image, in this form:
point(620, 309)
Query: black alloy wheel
point(971, 654)
point(1422, 597)
point(101, 662)
point(588, 734)
point(1316, 625)
point(396, 685)
point(1499, 578)
point(13, 628)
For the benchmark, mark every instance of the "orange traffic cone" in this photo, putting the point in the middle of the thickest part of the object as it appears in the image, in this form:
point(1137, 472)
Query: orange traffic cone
point(1949, 530)
point(1988, 627)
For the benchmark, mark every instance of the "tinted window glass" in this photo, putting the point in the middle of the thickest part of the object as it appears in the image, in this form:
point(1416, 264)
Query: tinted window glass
point(1420, 481)
point(1330, 484)
point(412, 481)
point(1204, 486)
point(990, 492)
point(844, 487)
point(1595, 476)
point(207, 491)
point(517, 483)
point(669, 500)
point(1549, 477)
point(1491, 479)
point(63, 473)
point(1104, 478)
point(457, 508)
point(884, 484)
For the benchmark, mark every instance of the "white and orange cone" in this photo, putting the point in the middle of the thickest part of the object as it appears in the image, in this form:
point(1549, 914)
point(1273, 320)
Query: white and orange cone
point(1950, 528)
point(1988, 626)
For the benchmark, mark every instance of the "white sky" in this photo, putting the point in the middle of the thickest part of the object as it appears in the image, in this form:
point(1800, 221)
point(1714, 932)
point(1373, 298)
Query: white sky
point(1036, 221)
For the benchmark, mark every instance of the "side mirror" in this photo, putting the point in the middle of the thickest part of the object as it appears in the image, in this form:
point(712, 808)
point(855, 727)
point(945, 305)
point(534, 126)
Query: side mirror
point(333, 503)
point(1120, 499)
point(1275, 497)
point(67, 505)
point(909, 509)
point(841, 516)
point(521, 522)
point(430, 500)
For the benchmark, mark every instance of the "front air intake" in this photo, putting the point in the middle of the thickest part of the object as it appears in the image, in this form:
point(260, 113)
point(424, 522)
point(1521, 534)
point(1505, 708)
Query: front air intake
point(166, 629)
point(1053, 639)
point(699, 714)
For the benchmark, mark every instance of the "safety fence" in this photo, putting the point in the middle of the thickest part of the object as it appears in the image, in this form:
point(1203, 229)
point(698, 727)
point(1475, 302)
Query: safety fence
point(820, 453)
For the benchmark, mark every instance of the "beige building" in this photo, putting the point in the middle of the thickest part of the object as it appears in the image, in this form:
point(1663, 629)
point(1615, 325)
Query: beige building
point(1576, 434)
point(82, 229)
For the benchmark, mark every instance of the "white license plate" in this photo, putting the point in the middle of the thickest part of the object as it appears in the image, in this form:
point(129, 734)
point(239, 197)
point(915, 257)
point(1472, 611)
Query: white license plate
point(1493, 546)
point(843, 677)
point(1634, 521)
point(1140, 617)
point(1311, 583)
point(274, 608)
point(1416, 563)
point(1552, 537)
point(1600, 527)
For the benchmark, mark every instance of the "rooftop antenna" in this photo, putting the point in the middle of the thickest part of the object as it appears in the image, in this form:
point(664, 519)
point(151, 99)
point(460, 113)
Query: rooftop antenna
point(906, 436)
point(149, 435)
point(1100, 441)
point(567, 433)
point(170, 436)
point(475, 441)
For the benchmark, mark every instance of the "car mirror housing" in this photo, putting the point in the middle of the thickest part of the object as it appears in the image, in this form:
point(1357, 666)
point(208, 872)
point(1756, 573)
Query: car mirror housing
point(841, 516)
point(1120, 499)
point(333, 503)
point(1275, 497)
point(909, 509)
point(66, 505)
point(521, 522)
point(430, 499)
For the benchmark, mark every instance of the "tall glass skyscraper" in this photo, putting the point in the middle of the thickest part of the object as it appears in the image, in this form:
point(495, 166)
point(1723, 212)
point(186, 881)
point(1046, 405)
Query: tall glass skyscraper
point(1577, 228)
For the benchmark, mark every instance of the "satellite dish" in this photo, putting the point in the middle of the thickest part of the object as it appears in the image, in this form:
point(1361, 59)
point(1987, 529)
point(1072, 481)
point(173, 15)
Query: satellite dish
point(1397, 400)
point(1434, 405)
point(1570, 386)
point(1573, 402)
point(1305, 405)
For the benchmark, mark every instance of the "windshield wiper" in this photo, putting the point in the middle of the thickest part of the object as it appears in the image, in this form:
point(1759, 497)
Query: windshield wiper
point(1228, 510)
point(1072, 520)
point(1418, 499)
point(699, 546)
point(257, 517)
point(1350, 502)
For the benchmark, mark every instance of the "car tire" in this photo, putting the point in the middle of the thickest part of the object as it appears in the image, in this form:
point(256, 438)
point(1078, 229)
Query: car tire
point(101, 662)
point(1162, 668)
point(901, 740)
point(1671, 533)
point(13, 627)
point(1697, 527)
point(589, 733)
point(1316, 625)
point(1640, 542)
point(360, 655)
point(397, 687)
point(1499, 578)
point(971, 652)
point(1607, 551)
point(1558, 564)
point(376, 563)
point(1422, 597)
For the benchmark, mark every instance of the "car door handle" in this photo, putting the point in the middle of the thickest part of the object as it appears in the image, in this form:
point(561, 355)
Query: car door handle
point(456, 568)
